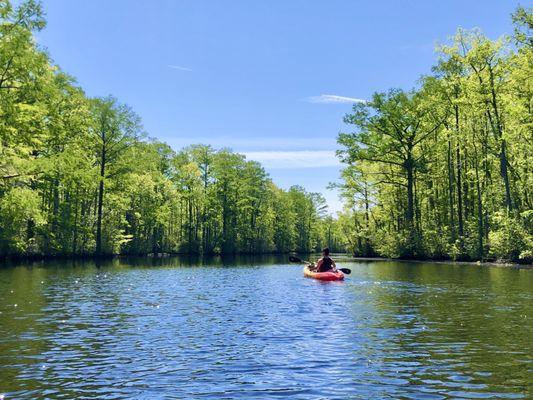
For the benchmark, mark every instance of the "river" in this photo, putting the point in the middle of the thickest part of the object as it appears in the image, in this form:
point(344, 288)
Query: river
point(256, 328)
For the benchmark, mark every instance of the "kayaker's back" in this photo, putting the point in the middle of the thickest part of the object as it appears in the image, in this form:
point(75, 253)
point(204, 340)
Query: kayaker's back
point(325, 264)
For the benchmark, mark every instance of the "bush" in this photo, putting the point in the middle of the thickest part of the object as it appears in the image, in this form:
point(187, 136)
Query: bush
point(509, 240)
point(391, 244)
point(19, 215)
point(435, 243)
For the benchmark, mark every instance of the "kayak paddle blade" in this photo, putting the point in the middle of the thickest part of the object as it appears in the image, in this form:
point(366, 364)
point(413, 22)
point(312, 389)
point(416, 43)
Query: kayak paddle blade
point(345, 271)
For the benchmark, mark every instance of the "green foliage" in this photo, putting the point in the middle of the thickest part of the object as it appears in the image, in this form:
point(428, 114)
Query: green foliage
point(20, 218)
point(508, 240)
point(390, 244)
point(523, 21)
point(77, 176)
point(444, 171)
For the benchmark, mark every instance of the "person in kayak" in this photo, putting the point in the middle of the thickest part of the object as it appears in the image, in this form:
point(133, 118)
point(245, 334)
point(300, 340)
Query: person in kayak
point(325, 263)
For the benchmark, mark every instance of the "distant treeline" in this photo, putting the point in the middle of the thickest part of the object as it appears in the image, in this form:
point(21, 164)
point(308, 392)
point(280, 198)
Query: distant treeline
point(77, 176)
point(446, 170)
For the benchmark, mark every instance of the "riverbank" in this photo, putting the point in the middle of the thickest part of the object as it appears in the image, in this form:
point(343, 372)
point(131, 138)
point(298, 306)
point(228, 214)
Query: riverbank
point(340, 257)
point(506, 264)
point(153, 259)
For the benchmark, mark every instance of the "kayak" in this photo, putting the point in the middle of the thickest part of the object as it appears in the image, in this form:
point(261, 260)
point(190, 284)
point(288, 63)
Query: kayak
point(323, 276)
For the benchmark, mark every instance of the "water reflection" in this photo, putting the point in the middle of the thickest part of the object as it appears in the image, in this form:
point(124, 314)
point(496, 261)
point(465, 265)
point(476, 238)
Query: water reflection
point(254, 327)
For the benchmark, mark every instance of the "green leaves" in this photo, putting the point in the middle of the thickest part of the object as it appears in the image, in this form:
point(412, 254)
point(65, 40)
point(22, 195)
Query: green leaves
point(444, 170)
point(20, 216)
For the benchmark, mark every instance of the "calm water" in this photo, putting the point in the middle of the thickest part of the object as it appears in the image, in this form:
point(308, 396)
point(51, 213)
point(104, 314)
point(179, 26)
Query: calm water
point(168, 328)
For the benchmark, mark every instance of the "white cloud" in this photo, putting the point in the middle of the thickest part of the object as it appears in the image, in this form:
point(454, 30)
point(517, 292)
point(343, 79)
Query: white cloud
point(333, 99)
point(179, 67)
point(294, 159)
point(243, 144)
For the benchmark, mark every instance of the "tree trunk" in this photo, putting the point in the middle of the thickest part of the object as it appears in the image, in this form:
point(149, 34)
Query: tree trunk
point(100, 203)
point(505, 175)
point(479, 207)
point(224, 220)
point(75, 227)
point(189, 224)
point(459, 188)
point(367, 221)
point(410, 192)
point(450, 191)
point(503, 147)
point(459, 176)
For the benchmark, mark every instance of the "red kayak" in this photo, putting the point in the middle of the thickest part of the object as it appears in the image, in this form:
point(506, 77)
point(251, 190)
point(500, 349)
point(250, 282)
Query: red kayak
point(323, 276)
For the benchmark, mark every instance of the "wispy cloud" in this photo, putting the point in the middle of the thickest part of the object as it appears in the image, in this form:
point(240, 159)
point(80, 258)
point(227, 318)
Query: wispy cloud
point(249, 143)
point(179, 67)
point(294, 159)
point(332, 99)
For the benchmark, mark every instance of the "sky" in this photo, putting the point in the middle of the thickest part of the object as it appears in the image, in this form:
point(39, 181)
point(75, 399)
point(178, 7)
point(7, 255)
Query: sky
point(271, 79)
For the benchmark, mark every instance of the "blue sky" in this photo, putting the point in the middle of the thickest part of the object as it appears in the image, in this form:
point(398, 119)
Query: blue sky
point(271, 79)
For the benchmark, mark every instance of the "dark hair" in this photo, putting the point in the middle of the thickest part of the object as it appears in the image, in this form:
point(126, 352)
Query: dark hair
point(326, 251)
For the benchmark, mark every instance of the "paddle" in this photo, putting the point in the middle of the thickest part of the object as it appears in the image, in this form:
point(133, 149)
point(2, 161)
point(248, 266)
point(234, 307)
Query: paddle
point(299, 260)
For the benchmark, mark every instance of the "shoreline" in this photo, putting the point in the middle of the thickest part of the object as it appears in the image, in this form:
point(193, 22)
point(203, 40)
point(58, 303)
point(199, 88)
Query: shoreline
point(6, 260)
point(501, 264)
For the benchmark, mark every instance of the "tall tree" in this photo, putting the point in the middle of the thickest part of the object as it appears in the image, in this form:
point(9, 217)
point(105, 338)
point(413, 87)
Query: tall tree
point(116, 128)
point(390, 130)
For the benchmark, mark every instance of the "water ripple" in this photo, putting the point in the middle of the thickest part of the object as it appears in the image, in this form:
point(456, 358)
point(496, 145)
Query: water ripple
point(391, 330)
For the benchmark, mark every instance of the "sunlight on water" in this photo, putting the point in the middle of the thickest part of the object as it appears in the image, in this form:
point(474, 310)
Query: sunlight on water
point(249, 329)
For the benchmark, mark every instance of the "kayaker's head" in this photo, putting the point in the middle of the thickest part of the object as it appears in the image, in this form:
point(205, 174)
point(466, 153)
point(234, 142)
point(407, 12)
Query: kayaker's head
point(325, 252)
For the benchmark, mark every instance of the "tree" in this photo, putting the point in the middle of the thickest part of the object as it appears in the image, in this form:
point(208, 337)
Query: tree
point(445, 170)
point(116, 128)
point(22, 70)
point(390, 130)
point(77, 177)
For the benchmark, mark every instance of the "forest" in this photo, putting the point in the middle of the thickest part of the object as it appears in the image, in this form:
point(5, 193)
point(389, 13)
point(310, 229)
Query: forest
point(442, 171)
point(80, 176)
point(445, 170)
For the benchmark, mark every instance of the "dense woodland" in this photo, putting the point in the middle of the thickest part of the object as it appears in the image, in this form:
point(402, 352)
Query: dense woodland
point(78, 175)
point(441, 171)
point(446, 170)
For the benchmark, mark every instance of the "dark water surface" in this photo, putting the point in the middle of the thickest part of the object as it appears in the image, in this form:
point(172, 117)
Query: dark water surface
point(168, 328)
